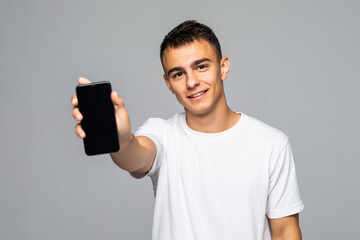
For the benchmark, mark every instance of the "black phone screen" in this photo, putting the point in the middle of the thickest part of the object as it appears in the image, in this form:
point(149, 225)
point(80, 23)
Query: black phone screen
point(98, 121)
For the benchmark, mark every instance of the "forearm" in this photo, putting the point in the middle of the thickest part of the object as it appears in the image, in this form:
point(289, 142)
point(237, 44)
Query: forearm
point(131, 156)
point(293, 237)
point(290, 234)
point(286, 228)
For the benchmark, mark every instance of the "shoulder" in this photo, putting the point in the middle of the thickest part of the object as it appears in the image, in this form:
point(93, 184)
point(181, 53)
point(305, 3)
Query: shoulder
point(263, 132)
point(176, 119)
point(160, 124)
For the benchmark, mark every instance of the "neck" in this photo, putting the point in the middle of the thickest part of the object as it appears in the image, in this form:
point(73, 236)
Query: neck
point(219, 120)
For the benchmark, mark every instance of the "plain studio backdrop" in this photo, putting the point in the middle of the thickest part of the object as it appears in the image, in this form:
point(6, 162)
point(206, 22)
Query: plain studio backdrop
point(294, 65)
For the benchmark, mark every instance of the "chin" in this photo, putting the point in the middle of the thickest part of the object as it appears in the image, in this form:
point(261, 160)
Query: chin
point(198, 111)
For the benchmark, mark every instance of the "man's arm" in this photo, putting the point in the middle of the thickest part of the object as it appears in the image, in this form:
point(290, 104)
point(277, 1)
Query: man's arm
point(286, 228)
point(136, 154)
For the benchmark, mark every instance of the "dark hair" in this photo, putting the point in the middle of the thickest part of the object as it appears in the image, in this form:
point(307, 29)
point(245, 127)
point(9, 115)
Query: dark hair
point(188, 32)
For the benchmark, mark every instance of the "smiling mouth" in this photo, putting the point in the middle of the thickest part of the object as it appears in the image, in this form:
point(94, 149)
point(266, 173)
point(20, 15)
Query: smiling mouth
point(198, 94)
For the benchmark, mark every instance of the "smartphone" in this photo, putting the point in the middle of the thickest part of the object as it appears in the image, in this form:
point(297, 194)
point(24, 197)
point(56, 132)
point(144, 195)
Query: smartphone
point(98, 121)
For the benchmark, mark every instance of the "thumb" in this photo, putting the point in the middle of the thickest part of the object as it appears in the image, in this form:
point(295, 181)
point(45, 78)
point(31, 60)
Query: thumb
point(82, 80)
point(117, 100)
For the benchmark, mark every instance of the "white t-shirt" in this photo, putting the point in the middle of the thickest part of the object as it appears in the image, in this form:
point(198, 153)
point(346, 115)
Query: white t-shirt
point(220, 185)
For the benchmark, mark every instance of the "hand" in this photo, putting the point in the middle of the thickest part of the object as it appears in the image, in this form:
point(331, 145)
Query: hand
point(121, 115)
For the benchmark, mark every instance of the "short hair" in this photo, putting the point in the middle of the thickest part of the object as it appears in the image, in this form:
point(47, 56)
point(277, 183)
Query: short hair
point(187, 32)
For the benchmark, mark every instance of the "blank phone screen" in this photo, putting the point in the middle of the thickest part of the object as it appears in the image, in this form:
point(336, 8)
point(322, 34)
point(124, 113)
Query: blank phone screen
point(98, 120)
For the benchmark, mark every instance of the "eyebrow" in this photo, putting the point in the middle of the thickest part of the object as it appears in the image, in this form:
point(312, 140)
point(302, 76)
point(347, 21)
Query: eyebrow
point(174, 69)
point(195, 63)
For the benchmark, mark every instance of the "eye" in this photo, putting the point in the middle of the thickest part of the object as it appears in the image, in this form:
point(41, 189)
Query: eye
point(177, 75)
point(202, 67)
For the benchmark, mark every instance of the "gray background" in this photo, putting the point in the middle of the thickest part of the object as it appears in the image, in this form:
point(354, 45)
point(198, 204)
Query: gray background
point(294, 65)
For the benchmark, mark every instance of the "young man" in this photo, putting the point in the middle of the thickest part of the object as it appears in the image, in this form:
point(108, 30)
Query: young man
point(217, 174)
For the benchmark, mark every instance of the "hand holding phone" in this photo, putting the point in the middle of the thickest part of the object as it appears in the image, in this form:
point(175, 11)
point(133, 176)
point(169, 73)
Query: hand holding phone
point(123, 129)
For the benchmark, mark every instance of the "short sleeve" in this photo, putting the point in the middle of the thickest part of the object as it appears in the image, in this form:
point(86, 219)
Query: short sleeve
point(154, 129)
point(283, 196)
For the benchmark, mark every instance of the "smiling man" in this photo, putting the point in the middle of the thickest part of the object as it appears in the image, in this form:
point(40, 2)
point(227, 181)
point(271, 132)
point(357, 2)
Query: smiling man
point(217, 174)
point(194, 73)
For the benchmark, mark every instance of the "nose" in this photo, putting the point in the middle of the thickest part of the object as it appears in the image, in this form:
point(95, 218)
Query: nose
point(191, 81)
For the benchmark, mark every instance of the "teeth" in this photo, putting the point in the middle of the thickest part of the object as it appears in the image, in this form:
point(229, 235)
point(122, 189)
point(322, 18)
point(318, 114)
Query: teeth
point(196, 95)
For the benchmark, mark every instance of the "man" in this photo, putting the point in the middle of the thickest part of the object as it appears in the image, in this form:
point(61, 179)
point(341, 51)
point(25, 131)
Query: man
point(217, 174)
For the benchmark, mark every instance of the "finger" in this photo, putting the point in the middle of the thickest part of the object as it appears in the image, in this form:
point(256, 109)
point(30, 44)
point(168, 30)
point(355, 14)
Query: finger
point(74, 100)
point(76, 114)
point(117, 100)
point(82, 80)
point(79, 131)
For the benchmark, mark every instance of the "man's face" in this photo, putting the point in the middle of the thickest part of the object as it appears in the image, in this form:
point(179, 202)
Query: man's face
point(194, 74)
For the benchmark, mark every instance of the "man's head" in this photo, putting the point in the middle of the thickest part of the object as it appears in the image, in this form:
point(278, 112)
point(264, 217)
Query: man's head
point(187, 32)
point(194, 70)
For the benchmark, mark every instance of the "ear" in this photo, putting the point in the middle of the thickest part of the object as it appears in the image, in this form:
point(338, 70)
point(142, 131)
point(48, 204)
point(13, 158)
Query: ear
point(168, 83)
point(225, 67)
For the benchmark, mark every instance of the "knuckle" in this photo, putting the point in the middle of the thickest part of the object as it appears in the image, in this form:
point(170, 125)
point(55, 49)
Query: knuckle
point(74, 112)
point(78, 128)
